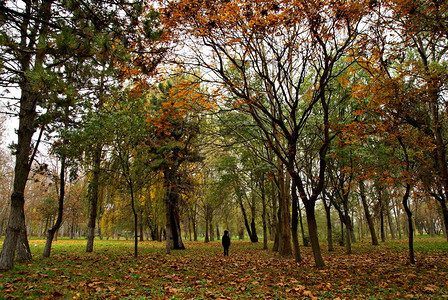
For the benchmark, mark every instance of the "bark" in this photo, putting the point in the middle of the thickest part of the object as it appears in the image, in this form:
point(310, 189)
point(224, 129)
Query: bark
point(207, 239)
point(93, 199)
point(173, 231)
point(249, 227)
point(380, 199)
point(442, 201)
point(329, 226)
point(57, 224)
point(275, 215)
point(391, 225)
point(410, 224)
point(369, 218)
point(264, 214)
point(212, 237)
point(295, 223)
point(284, 222)
point(15, 230)
point(141, 227)
point(314, 237)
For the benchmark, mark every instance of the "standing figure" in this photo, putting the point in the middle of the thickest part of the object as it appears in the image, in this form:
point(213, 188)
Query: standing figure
point(226, 242)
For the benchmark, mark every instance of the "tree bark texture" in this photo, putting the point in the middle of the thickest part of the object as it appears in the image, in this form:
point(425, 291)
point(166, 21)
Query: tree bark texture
point(369, 218)
point(93, 199)
point(173, 231)
point(51, 233)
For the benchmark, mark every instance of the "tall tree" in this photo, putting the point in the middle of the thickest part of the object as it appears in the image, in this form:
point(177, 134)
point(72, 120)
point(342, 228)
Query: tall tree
point(173, 114)
point(277, 60)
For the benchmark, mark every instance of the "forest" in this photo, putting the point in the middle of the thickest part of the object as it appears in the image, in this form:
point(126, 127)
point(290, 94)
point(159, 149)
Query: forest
point(304, 127)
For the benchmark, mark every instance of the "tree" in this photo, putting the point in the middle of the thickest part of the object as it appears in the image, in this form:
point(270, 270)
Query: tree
point(36, 39)
point(277, 61)
point(173, 114)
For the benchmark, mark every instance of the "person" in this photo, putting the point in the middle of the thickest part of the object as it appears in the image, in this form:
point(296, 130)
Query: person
point(226, 242)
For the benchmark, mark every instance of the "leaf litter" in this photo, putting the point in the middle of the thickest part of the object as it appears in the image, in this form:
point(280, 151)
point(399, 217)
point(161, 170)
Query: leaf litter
point(201, 272)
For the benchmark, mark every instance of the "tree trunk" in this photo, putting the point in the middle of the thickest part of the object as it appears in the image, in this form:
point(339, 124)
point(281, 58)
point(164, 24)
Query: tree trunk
point(295, 223)
point(383, 234)
point(207, 239)
point(134, 212)
point(93, 198)
point(367, 213)
point(410, 224)
point(253, 236)
point(264, 214)
point(391, 224)
point(275, 215)
point(141, 226)
point(328, 218)
point(173, 232)
point(284, 245)
point(23, 248)
point(57, 224)
point(314, 237)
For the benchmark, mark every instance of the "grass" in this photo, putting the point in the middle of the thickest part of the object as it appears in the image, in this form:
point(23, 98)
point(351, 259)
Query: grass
point(201, 272)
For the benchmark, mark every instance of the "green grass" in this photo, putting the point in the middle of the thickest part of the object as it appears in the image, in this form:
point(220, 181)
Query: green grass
point(201, 272)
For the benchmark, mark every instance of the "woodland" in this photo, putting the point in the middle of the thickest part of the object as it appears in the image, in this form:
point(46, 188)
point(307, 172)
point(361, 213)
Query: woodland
point(313, 131)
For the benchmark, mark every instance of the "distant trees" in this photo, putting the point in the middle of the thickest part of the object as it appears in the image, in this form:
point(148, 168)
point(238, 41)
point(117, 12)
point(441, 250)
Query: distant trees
point(268, 109)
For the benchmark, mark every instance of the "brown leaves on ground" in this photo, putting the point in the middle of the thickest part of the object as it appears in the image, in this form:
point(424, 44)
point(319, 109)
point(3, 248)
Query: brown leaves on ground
point(201, 272)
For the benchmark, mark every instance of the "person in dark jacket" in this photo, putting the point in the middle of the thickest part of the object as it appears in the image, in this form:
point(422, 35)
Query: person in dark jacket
point(226, 242)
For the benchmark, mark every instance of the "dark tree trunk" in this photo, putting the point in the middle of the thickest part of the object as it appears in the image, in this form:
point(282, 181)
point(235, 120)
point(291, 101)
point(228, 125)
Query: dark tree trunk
point(173, 231)
point(207, 239)
point(134, 212)
point(442, 200)
point(367, 213)
point(93, 199)
point(314, 237)
point(410, 224)
point(295, 223)
point(16, 222)
point(264, 214)
point(249, 227)
point(275, 216)
point(383, 233)
point(284, 218)
point(141, 227)
point(58, 222)
point(327, 207)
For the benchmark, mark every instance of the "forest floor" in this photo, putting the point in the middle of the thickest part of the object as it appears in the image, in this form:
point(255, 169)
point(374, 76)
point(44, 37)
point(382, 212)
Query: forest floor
point(202, 272)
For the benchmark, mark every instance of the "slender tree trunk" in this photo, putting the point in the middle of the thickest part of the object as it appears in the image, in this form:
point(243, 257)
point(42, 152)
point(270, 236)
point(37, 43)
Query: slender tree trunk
point(141, 226)
point(212, 237)
point(314, 237)
point(383, 234)
point(134, 212)
point(294, 222)
point(305, 239)
point(391, 224)
point(275, 215)
point(207, 225)
point(410, 224)
point(442, 201)
point(264, 214)
point(93, 198)
point(329, 226)
point(57, 224)
point(173, 232)
point(367, 213)
point(284, 245)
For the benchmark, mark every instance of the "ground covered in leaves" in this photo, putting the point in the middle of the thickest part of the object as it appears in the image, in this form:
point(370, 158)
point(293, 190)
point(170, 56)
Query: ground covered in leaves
point(201, 272)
